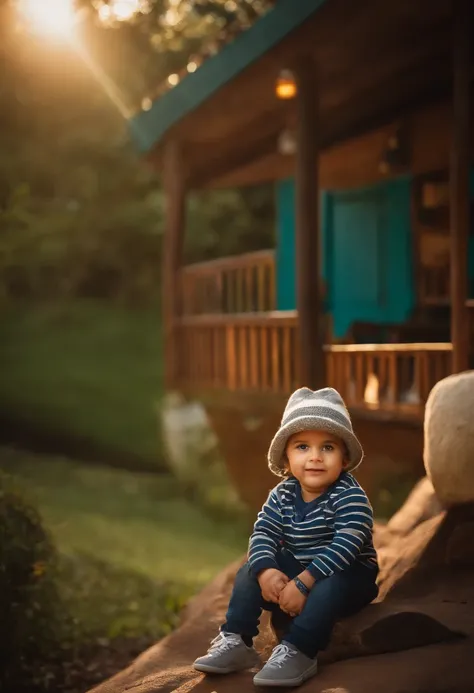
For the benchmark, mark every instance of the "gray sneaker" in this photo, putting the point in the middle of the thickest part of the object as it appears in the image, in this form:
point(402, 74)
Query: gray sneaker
point(287, 666)
point(227, 653)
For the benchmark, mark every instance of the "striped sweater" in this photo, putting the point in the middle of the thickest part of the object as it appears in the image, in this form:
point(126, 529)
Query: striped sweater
point(326, 535)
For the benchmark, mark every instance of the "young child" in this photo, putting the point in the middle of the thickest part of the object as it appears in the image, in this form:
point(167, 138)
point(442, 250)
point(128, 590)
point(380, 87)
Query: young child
point(311, 558)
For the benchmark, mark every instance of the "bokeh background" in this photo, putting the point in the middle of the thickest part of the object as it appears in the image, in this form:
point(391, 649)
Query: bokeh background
point(100, 544)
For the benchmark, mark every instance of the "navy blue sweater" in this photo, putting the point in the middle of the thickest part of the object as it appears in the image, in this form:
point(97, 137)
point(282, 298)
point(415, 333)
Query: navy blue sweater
point(326, 535)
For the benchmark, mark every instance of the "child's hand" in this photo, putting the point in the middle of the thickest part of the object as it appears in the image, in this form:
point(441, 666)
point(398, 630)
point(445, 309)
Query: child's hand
point(292, 600)
point(272, 582)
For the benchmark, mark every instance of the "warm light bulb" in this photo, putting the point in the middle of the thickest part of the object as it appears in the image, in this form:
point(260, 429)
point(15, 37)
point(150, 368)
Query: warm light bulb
point(286, 85)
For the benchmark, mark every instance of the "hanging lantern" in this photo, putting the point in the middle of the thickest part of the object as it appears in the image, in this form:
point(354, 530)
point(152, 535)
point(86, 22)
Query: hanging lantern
point(286, 85)
point(286, 144)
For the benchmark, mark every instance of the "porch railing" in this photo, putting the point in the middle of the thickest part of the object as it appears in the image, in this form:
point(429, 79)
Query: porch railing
point(387, 376)
point(240, 284)
point(256, 352)
point(240, 352)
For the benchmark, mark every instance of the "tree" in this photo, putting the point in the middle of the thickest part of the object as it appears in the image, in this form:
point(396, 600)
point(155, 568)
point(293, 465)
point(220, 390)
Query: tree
point(79, 212)
point(162, 38)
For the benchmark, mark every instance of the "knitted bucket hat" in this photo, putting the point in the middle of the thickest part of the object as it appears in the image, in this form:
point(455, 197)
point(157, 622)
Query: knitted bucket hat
point(308, 410)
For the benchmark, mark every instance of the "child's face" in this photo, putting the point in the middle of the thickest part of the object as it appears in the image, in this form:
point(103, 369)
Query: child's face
point(316, 459)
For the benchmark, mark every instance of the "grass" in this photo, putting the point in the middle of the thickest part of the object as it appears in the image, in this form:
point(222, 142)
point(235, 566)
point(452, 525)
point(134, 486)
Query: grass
point(131, 549)
point(87, 370)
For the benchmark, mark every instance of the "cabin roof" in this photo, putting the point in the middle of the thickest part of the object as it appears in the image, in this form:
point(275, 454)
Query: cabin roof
point(375, 62)
point(149, 127)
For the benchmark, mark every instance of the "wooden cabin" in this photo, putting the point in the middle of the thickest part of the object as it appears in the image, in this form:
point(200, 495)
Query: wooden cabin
point(359, 113)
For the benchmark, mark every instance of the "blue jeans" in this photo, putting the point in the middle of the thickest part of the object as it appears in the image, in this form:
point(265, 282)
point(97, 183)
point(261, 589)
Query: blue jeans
point(331, 599)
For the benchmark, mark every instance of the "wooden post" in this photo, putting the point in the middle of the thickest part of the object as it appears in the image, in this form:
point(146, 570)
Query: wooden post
point(174, 184)
point(312, 366)
point(459, 180)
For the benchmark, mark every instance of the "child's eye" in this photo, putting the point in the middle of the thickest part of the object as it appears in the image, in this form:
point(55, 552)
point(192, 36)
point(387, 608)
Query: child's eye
point(328, 447)
point(302, 446)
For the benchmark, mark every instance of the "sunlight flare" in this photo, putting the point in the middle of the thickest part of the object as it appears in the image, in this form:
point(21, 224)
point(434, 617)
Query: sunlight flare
point(49, 17)
point(125, 9)
point(120, 10)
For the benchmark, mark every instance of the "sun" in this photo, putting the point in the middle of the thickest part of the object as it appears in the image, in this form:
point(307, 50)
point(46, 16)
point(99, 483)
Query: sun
point(49, 17)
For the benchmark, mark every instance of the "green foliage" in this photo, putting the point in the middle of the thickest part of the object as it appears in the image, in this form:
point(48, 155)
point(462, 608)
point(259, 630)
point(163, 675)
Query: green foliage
point(30, 613)
point(88, 372)
point(229, 222)
point(108, 602)
point(130, 552)
point(80, 214)
point(163, 37)
point(131, 549)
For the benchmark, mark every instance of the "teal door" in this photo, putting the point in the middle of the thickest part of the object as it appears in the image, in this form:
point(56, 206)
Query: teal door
point(285, 246)
point(358, 278)
point(369, 255)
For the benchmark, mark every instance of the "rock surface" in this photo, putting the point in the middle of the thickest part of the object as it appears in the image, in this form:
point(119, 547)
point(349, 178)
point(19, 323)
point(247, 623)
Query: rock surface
point(421, 505)
point(449, 438)
point(426, 604)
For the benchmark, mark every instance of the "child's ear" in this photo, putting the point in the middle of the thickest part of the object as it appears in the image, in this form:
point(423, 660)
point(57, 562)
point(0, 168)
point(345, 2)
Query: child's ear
point(346, 461)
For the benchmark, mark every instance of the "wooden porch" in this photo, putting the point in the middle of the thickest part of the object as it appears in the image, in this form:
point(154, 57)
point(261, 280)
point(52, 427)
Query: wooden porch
point(258, 352)
point(380, 92)
point(231, 338)
point(241, 284)
point(221, 329)
point(246, 283)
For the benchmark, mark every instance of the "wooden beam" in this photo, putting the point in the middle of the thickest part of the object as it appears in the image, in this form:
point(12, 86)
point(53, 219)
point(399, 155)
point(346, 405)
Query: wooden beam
point(230, 160)
point(359, 120)
point(459, 180)
point(308, 237)
point(174, 185)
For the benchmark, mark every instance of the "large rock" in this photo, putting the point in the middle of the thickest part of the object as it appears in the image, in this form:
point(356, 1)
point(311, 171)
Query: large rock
point(421, 505)
point(417, 637)
point(435, 561)
point(449, 439)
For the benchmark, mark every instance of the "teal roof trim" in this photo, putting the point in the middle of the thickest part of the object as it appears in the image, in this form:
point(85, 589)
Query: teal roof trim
point(148, 127)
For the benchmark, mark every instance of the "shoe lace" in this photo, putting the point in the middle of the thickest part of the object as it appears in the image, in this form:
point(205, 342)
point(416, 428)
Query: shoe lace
point(223, 642)
point(280, 654)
